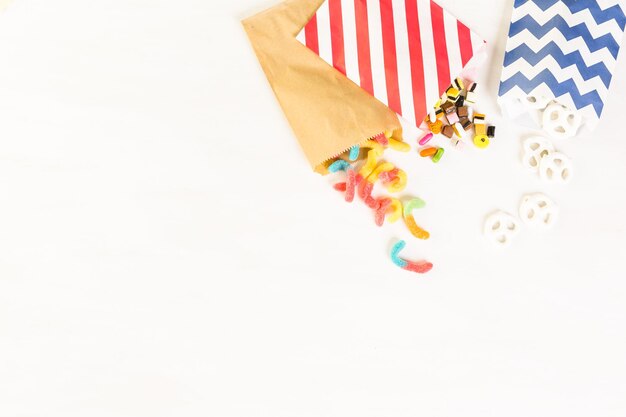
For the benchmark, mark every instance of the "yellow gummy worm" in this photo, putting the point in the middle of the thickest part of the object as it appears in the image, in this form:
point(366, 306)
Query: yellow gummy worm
point(395, 210)
point(370, 164)
point(374, 146)
point(384, 167)
point(399, 184)
point(399, 145)
point(416, 231)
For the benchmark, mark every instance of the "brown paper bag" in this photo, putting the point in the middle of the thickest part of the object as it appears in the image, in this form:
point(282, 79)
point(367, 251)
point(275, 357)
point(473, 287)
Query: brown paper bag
point(328, 113)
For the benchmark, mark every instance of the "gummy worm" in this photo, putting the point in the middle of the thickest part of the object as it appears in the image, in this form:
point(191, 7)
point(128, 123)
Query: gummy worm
point(395, 144)
point(339, 165)
point(350, 185)
point(381, 210)
point(395, 210)
point(384, 167)
point(374, 146)
point(340, 186)
point(387, 177)
point(399, 146)
point(366, 187)
point(419, 267)
point(382, 139)
point(415, 204)
point(399, 183)
point(389, 208)
point(415, 230)
point(354, 153)
point(418, 232)
point(371, 202)
point(370, 165)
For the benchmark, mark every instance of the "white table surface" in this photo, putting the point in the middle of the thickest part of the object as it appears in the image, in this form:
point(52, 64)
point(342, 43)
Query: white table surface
point(165, 249)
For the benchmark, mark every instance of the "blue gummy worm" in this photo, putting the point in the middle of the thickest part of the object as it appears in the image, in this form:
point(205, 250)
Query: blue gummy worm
point(354, 152)
point(337, 166)
point(395, 254)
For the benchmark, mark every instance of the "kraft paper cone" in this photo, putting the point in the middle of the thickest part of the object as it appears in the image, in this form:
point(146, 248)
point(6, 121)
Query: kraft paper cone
point(327, 112)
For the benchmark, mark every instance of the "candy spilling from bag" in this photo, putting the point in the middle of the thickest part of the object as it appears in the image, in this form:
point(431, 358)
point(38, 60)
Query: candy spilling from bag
point(559, 61)
point(363, 168)
point(406, 54)
point(454, 117)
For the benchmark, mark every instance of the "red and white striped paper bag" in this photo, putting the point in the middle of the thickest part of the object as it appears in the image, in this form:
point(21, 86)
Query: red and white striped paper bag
point(406, 53)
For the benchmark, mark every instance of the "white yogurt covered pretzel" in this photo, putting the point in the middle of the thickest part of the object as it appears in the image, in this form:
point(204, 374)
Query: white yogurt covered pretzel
point(501, 228)
point(560, 122)
point(538, 211)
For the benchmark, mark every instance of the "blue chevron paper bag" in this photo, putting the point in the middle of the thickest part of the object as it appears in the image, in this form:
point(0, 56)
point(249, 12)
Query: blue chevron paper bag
point(561, 50)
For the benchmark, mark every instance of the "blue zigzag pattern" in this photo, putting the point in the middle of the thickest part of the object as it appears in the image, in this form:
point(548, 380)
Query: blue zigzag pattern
point(600, 16)
point(552, 49)
point(559, 89)
point(594, 44)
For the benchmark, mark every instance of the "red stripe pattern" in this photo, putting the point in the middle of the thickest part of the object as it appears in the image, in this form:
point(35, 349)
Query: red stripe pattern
point(404, 52)
point(363, 45)
point(415, 52)
point(336, 33)
point(391, 62)
point(465, 42)
point(441, 47)
point(311, 35)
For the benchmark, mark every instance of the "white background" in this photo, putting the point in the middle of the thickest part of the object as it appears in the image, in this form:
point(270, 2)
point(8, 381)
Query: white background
point(165, 249)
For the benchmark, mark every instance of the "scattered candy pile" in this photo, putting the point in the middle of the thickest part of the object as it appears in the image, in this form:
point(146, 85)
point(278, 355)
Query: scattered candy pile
point(454, 118)
point(360, 181)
